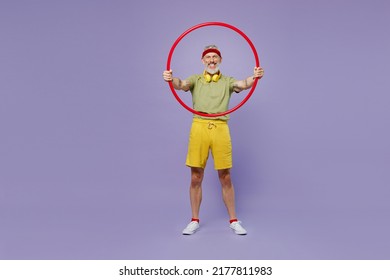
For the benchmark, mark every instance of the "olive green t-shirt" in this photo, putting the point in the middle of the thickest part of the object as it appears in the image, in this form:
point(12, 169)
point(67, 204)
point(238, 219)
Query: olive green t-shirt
point(213, 97)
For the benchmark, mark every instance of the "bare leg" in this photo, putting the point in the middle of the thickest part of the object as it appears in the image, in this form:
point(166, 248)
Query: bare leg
point(227, 192)
point(197, 174)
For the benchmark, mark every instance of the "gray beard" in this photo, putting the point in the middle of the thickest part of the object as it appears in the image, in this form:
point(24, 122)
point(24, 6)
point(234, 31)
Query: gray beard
point(212, 71)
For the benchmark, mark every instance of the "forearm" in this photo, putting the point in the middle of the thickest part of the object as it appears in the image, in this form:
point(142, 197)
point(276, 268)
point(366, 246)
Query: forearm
point(244, 84)
point(180, 85)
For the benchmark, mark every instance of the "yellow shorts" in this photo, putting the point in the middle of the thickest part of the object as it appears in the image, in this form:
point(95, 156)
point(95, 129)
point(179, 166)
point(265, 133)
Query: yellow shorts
point(206, 135)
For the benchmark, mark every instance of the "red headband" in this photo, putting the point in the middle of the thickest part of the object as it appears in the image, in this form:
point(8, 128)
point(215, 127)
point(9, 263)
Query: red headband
point(211, 50)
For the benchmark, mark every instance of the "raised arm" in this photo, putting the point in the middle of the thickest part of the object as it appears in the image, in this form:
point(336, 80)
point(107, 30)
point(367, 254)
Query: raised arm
point(258, 73)
point(176, 82)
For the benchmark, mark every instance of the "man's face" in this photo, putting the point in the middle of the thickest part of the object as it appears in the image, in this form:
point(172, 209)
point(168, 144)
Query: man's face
point(211, 62)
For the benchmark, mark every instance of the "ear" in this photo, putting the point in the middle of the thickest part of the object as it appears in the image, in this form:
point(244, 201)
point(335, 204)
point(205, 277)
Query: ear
point(204, 62)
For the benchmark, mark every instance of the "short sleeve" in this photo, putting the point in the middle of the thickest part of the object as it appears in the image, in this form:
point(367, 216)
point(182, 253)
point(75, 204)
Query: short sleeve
point(231, 84)
point(192, 79)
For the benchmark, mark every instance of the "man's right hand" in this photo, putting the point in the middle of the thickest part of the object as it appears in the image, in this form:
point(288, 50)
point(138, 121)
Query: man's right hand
point(167, 75)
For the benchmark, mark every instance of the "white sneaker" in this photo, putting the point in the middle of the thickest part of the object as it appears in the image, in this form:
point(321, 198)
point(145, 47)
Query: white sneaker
point(191, 228)
point(237, 228)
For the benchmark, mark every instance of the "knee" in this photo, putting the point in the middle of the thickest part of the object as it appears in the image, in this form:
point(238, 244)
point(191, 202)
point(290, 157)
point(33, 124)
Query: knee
point(196, 178)
point(224, 174)
point(224, 177)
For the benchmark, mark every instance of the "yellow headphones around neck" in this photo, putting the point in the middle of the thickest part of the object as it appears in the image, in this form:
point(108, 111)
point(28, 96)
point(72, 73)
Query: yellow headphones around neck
point(213, 78)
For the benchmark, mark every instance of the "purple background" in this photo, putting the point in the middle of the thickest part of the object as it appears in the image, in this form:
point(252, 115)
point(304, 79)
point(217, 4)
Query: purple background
point(93, 143)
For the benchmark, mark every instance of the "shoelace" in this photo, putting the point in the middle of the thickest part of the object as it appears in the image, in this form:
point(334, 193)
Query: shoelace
point(192, 225)
point(237, 224)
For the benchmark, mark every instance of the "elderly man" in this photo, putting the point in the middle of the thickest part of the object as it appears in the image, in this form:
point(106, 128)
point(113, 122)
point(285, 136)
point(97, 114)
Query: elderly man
point(211, 92)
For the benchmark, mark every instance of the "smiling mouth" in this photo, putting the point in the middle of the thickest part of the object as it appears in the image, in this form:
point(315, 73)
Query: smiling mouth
point(212, 68)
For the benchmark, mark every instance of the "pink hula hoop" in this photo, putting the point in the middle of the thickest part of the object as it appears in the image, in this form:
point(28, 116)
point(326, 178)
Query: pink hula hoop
point(197, 27)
